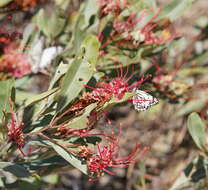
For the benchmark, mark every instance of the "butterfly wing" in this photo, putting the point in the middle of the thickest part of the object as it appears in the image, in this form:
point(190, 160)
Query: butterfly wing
point(142, 100)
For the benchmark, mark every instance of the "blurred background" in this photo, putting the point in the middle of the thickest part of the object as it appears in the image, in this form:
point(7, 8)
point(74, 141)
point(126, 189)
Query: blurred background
point(163, 127)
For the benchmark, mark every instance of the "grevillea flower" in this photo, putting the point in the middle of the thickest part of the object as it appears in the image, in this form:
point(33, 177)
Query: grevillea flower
point(130, 32)
point(117, 87)
point(13, 63)
point(148, 31)
point(15, 133)
point(107, 157)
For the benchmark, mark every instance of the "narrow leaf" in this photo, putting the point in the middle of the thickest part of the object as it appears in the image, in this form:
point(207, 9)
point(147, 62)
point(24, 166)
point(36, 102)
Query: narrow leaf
point(4, 2)
point(176, 8)
point(196, 129)
point(80, 72)
point(191, 106)
point(39, 97)
point(74, 161)
point(5, 94)
point(15, 169)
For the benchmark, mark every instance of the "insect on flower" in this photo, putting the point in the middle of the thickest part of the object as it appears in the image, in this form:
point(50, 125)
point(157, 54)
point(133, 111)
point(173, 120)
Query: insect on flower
point(142, 100)
point(119, 86)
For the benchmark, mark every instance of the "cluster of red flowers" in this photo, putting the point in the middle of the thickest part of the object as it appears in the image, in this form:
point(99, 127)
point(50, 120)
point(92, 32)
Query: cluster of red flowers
point(130, 32)
point(117, 87)
point(107, 157)
point(13, 63)
point(145, 34)
point(15, 131)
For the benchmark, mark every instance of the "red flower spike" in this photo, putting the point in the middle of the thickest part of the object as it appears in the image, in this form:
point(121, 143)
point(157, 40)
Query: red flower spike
point(150, 37)
point(15, 133)
point(131, 36)
point(107, 157)
point(117, 87)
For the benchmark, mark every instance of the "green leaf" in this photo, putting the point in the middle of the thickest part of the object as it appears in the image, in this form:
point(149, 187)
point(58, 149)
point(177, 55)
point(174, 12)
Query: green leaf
point(5, 94)
point(60, 71)
point(4, 2)
point(1, 182)
point(51, 179)
point(193, 173)
point(200, 59)
point(47, 105)
point(114, 101)
point(191, 106)
point(193, 71)
point(79, 73)
point(30, 38)
point(181, 182)
point(74, 161)
point(197, 130)
point(45, 163)
point(90, 9)
point(63, 3)
point(39, 97)
point(15, 169)
point(24, 185)
point(51, 25)
point(176, 8)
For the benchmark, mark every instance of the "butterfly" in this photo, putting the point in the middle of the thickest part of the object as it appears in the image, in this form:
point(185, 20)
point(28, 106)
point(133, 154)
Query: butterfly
point(142, 100)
